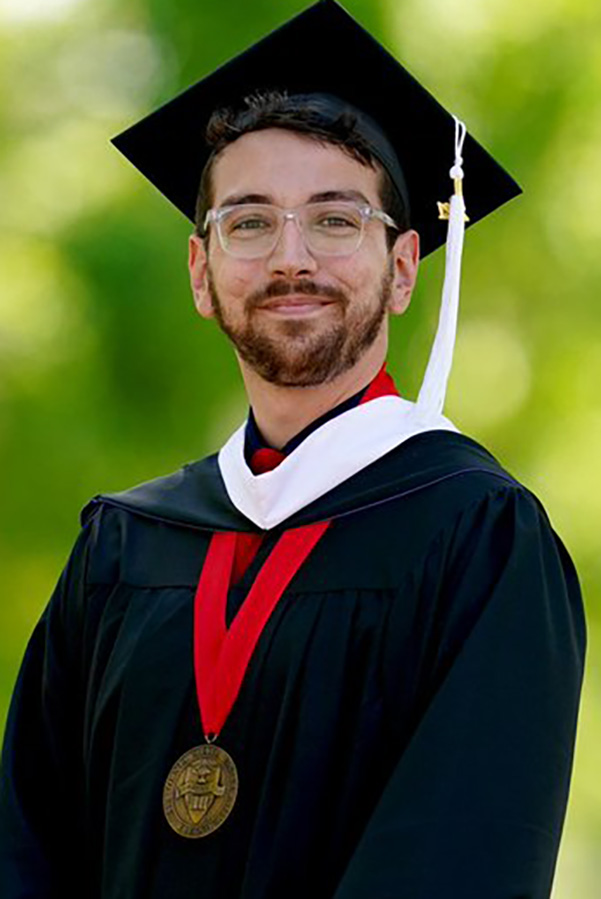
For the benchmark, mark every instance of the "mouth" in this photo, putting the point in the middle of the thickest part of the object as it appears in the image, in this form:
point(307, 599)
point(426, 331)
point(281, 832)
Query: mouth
point(296, 305)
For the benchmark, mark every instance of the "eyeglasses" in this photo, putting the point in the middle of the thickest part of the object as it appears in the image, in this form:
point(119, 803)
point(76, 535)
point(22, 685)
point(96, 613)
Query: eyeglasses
point(252, 230)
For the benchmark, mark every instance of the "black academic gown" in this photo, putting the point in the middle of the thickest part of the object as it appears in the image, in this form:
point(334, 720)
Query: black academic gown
point(405, 729)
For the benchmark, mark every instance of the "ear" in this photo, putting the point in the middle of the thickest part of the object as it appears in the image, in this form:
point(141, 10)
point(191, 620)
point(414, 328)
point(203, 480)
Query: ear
point(198, 268)
point(405, 260)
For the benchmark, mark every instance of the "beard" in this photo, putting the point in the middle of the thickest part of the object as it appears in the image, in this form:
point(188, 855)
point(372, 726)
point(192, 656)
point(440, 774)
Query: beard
point(303, 353)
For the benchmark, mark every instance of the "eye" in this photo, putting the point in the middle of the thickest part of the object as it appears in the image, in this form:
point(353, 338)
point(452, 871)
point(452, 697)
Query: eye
point(335, 220)
point(250, 223)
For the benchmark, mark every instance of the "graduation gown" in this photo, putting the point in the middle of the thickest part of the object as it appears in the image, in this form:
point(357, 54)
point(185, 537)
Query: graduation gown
point(405, 729)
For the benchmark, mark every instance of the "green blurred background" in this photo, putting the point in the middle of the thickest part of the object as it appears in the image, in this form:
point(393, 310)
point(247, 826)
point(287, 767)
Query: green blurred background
point(108, 377)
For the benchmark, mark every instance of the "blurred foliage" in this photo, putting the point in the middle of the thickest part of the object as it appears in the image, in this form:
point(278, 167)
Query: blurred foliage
point(108, 377)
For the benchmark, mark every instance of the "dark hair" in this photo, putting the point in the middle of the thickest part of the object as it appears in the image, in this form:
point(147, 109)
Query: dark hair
point(274, 109)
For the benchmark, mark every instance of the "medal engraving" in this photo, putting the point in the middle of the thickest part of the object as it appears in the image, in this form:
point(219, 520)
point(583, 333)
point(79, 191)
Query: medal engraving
point(200, 791)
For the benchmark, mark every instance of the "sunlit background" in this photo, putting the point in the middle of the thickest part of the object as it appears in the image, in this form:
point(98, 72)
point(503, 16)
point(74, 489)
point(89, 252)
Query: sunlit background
point(107, 376)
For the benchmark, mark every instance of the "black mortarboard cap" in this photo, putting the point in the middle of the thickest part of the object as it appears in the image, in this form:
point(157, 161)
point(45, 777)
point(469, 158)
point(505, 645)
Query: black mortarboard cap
point(325, 51)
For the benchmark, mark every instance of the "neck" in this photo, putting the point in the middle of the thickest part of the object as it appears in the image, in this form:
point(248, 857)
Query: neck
point(282, 412)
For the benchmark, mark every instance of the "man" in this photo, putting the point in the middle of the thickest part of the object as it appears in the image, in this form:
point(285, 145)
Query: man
point(343, 658)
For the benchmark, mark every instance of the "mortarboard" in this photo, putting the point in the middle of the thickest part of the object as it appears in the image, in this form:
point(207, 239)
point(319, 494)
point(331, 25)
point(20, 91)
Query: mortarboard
point(324, 51)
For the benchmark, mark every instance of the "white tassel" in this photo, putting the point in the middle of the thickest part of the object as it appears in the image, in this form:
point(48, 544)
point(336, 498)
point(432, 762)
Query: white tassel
point(434, 385)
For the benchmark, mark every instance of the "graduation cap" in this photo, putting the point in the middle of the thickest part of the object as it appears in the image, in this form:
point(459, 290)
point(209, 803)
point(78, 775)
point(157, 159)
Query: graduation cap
point(423, 147)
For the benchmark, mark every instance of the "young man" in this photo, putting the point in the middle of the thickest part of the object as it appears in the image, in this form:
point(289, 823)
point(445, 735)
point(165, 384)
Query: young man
point(343, 658)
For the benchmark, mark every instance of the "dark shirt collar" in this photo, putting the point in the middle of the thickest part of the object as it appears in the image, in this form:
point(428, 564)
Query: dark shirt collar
point(254, 440)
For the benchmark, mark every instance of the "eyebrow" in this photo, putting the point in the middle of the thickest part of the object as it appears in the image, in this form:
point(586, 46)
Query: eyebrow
point(240, 199)
point(327, 195)
point(321, 197)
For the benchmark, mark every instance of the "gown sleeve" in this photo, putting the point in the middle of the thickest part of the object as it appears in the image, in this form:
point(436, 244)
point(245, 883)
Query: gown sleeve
point(475, 804)
point(41, 782)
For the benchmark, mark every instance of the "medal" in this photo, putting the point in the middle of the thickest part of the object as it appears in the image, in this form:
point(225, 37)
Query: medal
point(201, 788)
point(200, 791)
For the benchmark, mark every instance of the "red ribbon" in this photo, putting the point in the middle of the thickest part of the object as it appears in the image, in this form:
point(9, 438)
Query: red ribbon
point(222, 655)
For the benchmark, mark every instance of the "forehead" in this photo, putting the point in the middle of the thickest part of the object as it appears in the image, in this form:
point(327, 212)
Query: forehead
point(288, 168)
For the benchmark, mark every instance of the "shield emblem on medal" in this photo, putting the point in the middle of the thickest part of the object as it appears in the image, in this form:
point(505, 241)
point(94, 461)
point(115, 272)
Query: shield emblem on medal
point(198, 787)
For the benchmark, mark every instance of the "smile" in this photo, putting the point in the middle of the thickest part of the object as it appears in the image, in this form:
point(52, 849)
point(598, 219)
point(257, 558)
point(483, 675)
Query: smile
point(296, 305)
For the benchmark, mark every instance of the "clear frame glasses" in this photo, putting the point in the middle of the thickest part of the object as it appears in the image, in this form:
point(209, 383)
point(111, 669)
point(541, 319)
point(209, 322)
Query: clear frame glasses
point(252, 230)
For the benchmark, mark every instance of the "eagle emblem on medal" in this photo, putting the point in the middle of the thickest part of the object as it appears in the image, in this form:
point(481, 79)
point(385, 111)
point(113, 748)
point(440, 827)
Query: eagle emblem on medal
point(200, 791)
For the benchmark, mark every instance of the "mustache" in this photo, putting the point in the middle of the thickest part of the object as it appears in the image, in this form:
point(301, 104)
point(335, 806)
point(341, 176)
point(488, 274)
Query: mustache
point(304, 286)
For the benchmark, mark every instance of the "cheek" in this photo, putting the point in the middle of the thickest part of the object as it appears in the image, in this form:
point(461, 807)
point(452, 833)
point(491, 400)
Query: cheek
point(233, 281)
point(357, 281)
point(361, 274)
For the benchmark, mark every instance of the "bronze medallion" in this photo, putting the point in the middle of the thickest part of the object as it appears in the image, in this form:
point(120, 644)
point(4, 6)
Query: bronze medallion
point(200, 791)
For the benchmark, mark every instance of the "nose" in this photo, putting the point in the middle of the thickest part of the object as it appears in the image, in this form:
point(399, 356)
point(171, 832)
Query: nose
point(291, 256)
